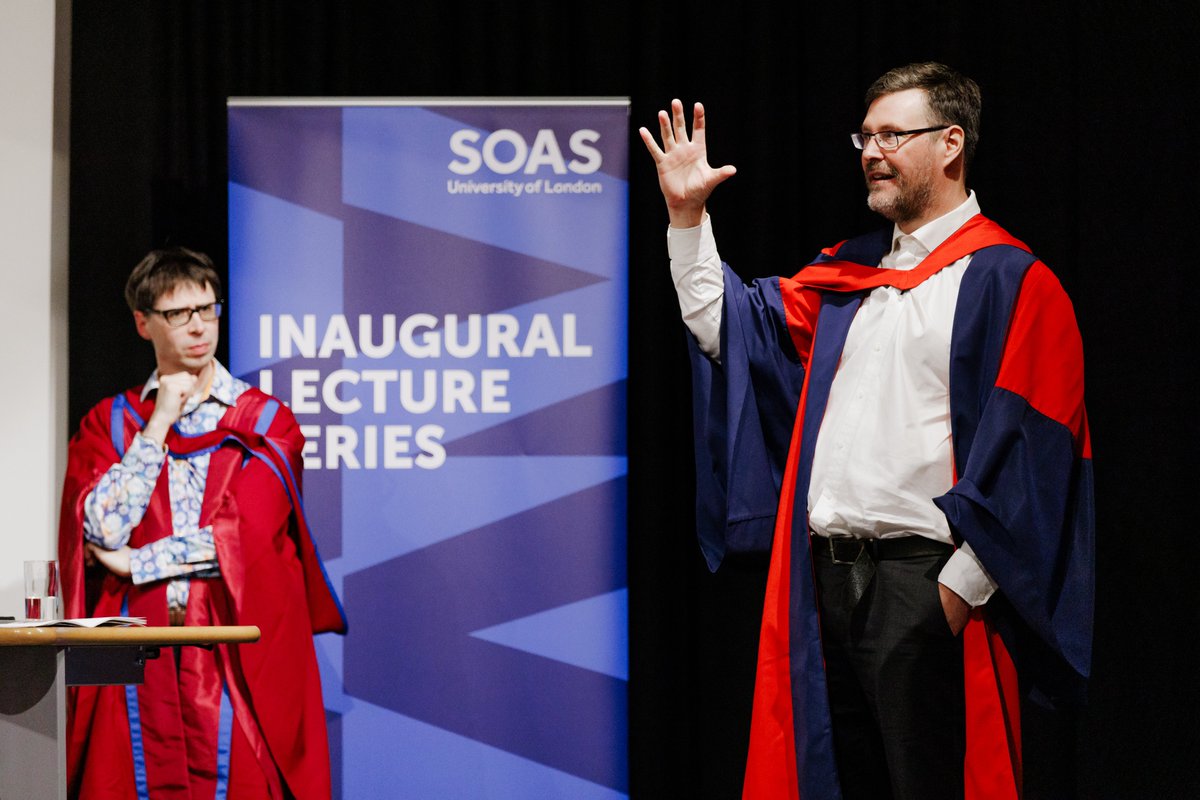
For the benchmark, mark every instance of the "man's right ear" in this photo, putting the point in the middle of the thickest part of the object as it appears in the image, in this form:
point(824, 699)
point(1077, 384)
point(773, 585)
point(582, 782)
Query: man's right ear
point(140, 322)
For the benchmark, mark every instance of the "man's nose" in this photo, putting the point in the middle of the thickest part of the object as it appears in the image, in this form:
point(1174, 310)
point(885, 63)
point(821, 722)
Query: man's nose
point(871, 150)
point(195, 324)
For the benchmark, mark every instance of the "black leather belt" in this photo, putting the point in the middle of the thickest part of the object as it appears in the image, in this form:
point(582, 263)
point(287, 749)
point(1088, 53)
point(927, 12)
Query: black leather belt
point(847, 549)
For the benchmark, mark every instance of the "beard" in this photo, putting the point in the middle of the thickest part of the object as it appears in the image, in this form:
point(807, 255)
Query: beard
point(904, 197)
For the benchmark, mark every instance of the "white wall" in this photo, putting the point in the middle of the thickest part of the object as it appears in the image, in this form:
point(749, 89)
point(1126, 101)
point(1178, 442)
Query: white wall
point(34, 102)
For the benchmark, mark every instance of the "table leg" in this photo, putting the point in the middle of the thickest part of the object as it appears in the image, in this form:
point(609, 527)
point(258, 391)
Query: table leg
point(32, 723)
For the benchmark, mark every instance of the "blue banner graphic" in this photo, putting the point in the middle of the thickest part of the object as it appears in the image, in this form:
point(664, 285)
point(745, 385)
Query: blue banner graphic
point(438, 291)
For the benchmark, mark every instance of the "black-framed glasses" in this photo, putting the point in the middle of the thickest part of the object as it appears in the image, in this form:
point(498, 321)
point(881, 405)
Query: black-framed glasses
point(178, 317)
point(889, 140)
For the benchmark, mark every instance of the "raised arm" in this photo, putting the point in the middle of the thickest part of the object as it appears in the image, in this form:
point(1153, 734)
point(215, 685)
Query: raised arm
point(117, 503)
point(684, 175)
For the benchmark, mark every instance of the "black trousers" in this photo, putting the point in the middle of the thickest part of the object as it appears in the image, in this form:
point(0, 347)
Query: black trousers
point(895, 674)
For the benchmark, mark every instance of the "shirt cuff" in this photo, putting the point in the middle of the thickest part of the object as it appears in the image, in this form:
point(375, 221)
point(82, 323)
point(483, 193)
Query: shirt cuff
point(692, 245)
point(175, 556)
point(144, 458)
point(142, 565)
point(699, 282)
point(966, 577)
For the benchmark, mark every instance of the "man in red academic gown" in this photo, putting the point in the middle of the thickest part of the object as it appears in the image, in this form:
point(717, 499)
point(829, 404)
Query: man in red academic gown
point(182, 505)
point(902, 423)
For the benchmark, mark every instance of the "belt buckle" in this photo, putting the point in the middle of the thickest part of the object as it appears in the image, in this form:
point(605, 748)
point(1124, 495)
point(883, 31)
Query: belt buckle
point(833, 550)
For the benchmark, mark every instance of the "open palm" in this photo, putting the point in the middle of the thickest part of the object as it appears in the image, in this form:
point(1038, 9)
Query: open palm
point(684, 174)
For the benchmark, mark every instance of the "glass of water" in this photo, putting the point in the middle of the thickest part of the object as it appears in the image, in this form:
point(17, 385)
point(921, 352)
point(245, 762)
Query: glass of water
point(41, 590)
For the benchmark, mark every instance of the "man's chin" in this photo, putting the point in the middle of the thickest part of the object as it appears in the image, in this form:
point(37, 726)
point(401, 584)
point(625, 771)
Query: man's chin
point(196, 364)
point(881, 204)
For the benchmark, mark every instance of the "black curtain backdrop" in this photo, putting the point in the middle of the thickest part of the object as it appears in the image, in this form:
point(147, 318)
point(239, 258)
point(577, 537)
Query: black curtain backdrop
point(1090, 116)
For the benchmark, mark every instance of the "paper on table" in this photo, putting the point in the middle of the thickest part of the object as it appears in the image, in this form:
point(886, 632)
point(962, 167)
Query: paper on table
point(82, 622)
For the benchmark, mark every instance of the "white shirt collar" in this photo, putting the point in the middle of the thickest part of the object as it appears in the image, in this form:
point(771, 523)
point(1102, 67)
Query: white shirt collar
point(925, 239)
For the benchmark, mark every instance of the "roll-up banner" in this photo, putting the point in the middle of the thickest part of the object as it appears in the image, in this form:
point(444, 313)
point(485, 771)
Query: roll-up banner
point(438, 290)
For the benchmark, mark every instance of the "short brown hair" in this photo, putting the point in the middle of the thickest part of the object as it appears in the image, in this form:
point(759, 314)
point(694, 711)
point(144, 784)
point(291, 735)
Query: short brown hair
point(953, 99)
point(161, 271)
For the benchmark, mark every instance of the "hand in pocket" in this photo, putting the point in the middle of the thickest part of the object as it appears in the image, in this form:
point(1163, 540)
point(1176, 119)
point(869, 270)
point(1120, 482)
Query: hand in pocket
point(956, 609)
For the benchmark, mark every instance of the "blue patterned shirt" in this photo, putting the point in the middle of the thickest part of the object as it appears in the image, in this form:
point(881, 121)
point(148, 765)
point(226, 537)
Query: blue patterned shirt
point(116, 506)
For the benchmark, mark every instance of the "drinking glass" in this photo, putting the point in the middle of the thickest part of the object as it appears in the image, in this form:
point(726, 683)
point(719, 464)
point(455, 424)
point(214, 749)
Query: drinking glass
point(41, 590)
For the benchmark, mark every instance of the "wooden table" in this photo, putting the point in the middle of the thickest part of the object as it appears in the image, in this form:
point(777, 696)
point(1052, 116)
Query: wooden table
point(36, 666)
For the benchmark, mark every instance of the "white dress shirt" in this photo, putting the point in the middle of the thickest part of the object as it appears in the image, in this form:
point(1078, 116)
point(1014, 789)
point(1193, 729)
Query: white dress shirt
point(884, 448)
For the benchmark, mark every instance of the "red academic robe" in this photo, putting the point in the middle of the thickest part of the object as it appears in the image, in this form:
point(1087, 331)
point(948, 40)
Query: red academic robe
point(257, 706)
point(1023, 496)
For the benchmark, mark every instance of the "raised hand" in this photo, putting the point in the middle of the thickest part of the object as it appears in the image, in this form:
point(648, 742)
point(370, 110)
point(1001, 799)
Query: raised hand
point(173, 392)
point(684, 175)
